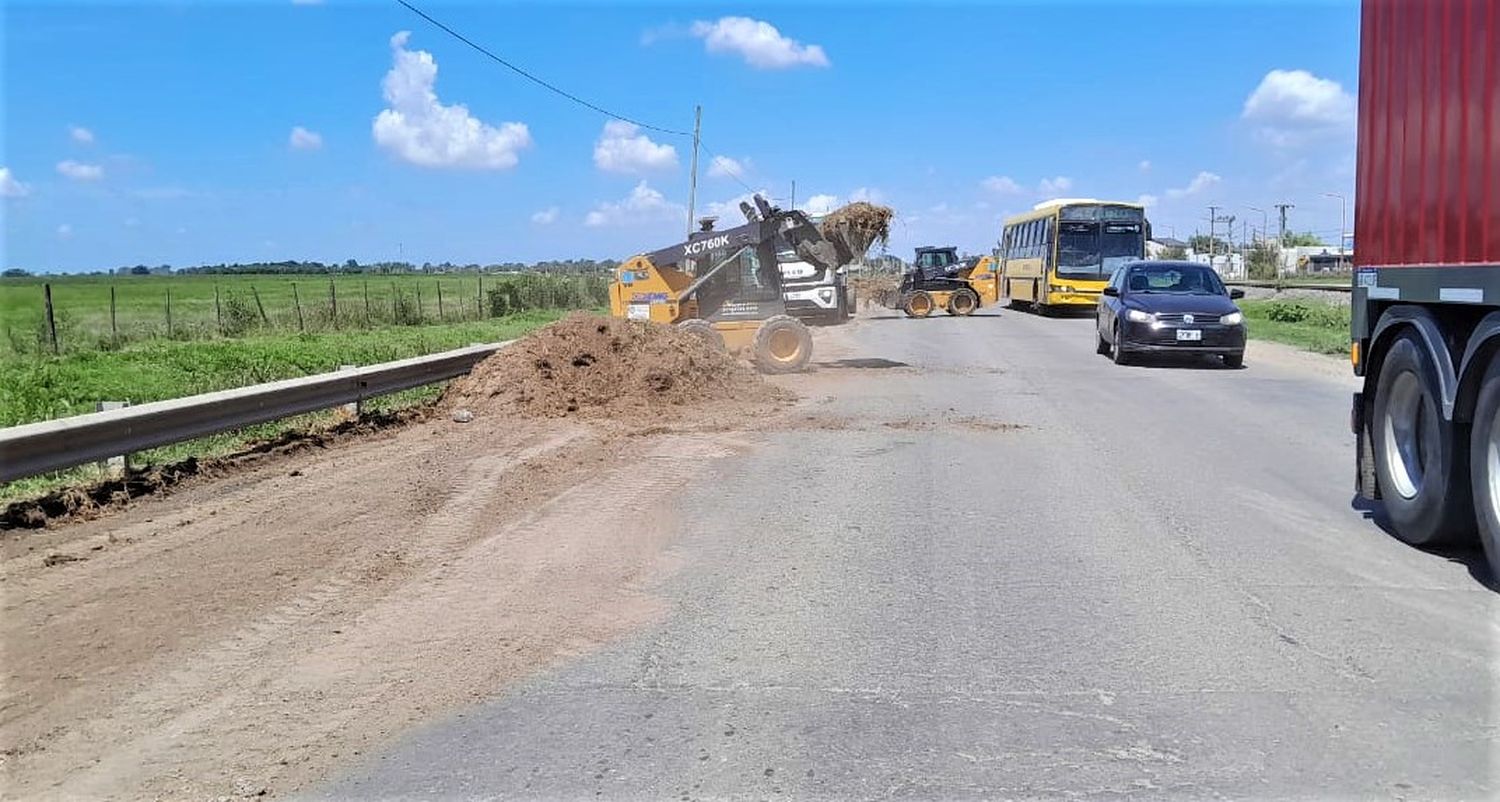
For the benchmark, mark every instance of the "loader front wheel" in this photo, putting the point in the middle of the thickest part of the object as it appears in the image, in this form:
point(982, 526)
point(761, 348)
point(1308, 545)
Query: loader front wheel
point(917, 304)
point(782, 345)
point(704, 329)
point(963, 302)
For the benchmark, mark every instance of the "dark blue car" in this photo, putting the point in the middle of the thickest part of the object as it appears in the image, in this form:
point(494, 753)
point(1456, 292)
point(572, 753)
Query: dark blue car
point(1169, 307)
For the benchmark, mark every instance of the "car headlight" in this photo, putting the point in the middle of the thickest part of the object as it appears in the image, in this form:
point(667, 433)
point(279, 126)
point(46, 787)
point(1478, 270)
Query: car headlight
point(826, 293)
point(1232, 319)
point(1138, 316)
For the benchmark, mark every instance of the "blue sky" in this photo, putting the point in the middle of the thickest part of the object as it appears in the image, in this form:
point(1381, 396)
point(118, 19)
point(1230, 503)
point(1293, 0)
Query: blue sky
point(188, 132)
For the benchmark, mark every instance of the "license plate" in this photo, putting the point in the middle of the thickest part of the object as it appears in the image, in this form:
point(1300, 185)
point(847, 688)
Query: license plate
point(1189, 335)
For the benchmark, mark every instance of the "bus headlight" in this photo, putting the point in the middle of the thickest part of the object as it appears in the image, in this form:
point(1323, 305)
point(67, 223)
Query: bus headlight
point(1232, 319)
point(1061, 287)
point(1138, 316)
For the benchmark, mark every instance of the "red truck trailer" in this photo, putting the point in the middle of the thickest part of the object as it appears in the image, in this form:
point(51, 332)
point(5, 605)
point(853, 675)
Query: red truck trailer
point(1425, 330)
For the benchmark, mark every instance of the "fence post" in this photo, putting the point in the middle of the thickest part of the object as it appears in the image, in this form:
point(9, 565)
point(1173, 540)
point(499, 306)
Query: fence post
point(479, 302)
point(218, 311)
point(265, 321)
point(367, 303)
point(297, 300)
point(114, 328)
point(333, 302)
point(51, 320)
point(418, 286)
point(119, 464)
point(169, 313)
point(395, 298)
point(440, 301)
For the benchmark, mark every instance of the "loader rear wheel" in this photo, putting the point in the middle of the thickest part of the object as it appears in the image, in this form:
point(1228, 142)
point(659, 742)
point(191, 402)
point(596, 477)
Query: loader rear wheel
point(918, 304)
point(704, 329)
point(963, 302)
point(782, 345)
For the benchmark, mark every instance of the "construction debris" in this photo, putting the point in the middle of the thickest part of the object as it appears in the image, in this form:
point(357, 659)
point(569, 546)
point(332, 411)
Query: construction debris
point(593, 366)
point(859, 225)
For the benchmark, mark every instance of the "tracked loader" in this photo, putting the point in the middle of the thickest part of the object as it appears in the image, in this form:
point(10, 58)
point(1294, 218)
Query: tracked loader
point(726, 286)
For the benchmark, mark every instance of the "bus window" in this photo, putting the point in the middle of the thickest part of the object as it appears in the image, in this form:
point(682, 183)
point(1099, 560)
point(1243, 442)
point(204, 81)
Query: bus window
point(1121, 243)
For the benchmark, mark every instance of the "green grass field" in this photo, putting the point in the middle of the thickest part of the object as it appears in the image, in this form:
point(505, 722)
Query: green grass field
point(214, 306)
point(1312, 326)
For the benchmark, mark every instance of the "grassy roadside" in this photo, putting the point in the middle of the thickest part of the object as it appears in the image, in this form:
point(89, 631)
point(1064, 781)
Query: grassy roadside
point(1312, 326)
point(40, 388)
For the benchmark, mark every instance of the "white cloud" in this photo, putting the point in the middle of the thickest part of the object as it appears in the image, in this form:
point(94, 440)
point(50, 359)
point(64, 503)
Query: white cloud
point(419, 129)
point(723, 167)
point(761, 45)
point(1145, 165)
point(81, 135)
point(866, 194)
point(1290, 107)
point(10, 187)
point(64, 231)
point(1147, 200)
point(622, 148)
point(79, 171)
point(1001, 185)
point(1055, 186)
point(821, 204)
point(546, 217)
point(303, 139)
point(643, 205)
point(1203, 180)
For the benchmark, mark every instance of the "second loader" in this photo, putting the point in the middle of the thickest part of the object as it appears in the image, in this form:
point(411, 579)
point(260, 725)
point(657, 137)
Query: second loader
point(940, 280)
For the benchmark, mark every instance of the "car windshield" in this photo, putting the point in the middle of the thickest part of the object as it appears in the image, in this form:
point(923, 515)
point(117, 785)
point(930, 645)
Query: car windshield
point(1175, 280)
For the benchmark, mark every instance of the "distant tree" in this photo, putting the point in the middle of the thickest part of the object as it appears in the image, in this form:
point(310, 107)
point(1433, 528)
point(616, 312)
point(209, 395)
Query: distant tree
point(15, 272)
point(1200, 243)
point(1265, 260)
point(1304, 239)
point(1174, 252)
point(140, 270)
point(351, 265)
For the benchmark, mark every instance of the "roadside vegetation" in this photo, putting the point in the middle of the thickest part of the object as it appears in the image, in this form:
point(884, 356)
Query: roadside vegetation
point(1310, 325)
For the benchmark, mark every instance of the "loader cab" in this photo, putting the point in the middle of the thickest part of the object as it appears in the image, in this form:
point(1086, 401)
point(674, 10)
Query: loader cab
point(743, 282)
point(936, 262)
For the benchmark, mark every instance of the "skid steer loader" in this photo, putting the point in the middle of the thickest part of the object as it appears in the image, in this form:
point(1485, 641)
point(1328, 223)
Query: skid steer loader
point(726, 285)
point(939, 280)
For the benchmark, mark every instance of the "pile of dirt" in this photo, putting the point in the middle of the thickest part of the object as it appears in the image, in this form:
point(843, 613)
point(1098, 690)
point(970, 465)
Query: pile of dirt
point(591, 366)
point(859, 224)
point(880, 288)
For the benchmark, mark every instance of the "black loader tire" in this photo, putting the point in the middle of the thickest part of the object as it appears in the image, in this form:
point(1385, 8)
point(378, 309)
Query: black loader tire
point(1439, 509)
point(704, 329)
point(963, 302)
point(1101, 345)
point(1484, 465)
point(918, 304)
point(782, 345)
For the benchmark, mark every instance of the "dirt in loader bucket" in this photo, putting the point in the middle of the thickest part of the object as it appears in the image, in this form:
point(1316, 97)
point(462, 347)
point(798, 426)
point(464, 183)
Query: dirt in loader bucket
point(586, 365)
point(859, 225)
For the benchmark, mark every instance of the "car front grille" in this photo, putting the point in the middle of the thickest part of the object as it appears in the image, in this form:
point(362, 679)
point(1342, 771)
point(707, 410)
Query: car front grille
point(1199, 318)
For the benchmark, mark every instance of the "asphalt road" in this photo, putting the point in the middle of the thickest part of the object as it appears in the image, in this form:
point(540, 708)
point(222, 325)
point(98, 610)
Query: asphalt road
point(1160, 586)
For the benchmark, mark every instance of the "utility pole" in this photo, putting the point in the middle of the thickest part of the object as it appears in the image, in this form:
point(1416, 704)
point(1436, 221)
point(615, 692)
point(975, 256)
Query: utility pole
point(1281, 209)
point(794, 193)
point(693, 182)
point(1213, 217)
point(1343, 219)
point(1264, 227)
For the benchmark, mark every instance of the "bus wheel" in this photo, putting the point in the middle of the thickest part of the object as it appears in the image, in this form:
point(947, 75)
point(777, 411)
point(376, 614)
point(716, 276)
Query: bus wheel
point(917, 304)
point(782, 345)
point(963, 302)
point(1422, 471)
point(1484, 464)
point(704, 329)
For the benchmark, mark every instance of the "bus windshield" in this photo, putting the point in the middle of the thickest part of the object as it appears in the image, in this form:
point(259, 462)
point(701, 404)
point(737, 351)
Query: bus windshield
point(1088, 248)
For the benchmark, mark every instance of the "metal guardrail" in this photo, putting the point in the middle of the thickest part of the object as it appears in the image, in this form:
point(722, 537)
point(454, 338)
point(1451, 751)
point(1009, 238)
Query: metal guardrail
point(1290, 285)
point(52, 445)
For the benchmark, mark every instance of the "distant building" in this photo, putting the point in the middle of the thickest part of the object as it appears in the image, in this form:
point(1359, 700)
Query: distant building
point(1155, 247)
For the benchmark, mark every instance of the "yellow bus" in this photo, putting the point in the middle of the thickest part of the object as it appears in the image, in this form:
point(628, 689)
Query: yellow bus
point(1060, 254)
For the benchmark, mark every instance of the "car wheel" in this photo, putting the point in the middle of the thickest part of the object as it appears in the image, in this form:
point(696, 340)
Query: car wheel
point(1420, 464)
point(1101, 345)
point(1236, 360)
point(1120, 357)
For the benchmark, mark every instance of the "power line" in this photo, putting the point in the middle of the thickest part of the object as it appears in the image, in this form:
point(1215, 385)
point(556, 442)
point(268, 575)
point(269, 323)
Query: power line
point(538, 81)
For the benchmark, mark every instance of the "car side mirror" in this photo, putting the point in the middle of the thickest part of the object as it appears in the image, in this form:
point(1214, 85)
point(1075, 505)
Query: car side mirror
point(1236, 293)
point(1113, 292)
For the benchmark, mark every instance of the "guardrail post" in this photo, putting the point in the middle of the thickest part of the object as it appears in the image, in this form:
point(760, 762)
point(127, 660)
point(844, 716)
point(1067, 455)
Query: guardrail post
point(118, 465)
point(353, 408)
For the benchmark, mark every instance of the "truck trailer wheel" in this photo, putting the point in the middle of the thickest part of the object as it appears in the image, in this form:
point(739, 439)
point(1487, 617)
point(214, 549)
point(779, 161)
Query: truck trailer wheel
point(703, 328)
point(1484, 465)
point(917, 304)
point(782, 345)
point(963, 302)
point(1420, 459)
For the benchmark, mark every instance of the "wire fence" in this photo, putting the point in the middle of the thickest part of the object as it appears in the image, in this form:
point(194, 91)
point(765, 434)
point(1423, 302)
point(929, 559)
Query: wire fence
point(71, 315)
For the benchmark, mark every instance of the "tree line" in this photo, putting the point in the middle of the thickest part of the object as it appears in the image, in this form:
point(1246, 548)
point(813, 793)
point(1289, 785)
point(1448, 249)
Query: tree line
point(568, 267)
